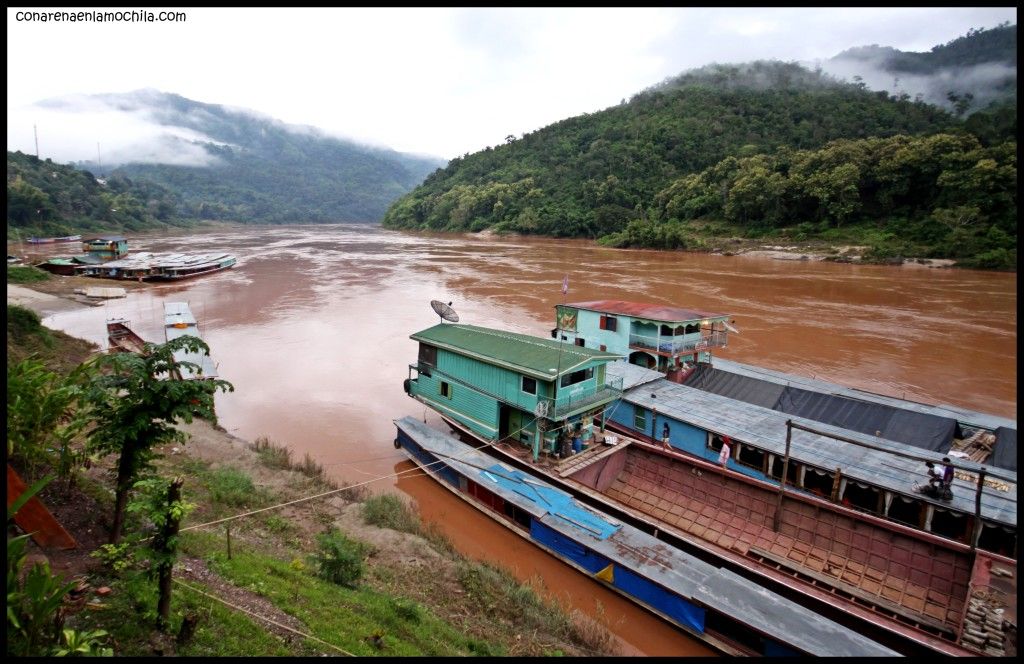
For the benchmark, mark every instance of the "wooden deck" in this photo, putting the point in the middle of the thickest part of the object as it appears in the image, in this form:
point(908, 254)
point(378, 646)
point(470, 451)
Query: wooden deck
point(923, 584)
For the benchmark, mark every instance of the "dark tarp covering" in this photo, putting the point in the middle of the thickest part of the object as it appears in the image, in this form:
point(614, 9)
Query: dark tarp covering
point(734, 386)
point(930, 432)
point(1005, 453)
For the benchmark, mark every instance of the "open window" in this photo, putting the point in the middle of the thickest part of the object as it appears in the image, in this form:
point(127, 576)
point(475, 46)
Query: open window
point(529, 385)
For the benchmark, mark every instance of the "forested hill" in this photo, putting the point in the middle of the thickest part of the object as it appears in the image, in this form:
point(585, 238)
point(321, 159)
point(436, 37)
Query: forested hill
point(667, 169)
point(50, 199)
point(256, 169)
point(592, 174)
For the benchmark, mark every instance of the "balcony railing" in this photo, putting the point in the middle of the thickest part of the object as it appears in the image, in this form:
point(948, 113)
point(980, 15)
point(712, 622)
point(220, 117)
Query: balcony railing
point(674, 345)
point(612, 389)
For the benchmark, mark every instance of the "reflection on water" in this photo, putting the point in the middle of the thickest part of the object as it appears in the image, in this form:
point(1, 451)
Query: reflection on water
point(312, 327)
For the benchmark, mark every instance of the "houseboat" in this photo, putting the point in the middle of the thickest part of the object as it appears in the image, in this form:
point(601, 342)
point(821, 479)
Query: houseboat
point(147, 266)
point(815, 510)
point(106, 247)
point(709, 602)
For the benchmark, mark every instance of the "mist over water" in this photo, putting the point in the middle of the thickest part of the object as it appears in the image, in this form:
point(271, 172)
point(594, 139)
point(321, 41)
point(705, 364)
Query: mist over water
point(312, 328)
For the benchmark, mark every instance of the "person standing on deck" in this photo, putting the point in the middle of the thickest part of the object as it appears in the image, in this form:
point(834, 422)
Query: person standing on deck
point(723, 455)
point(665, 436)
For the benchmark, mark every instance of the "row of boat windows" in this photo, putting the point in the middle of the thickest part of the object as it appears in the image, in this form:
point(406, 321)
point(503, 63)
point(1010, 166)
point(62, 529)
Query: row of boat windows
point(906, 510)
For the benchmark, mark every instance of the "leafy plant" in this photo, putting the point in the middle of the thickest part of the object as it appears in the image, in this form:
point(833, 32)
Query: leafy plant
point(117, 557)
point(136, 402)
point(86, 644)
point(34, 616)
point(340, 559)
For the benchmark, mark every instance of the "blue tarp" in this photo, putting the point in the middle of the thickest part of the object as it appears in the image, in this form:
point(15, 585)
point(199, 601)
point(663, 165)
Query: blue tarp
point(557, 503)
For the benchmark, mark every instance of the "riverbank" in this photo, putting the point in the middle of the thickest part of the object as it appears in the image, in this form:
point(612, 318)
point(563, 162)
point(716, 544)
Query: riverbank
point(258, 593)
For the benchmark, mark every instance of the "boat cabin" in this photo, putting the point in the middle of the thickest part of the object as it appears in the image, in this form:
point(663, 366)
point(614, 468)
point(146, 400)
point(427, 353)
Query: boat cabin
point(507, 386)
point(667, 339)
point(107, 247)
point(868, 473)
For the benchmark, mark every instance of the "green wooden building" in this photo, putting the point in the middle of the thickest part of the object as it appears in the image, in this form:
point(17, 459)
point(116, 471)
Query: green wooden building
point(505, 386)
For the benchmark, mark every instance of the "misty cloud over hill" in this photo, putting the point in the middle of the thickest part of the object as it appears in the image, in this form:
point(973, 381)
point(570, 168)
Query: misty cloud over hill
point(982, 64)
point(228, 163)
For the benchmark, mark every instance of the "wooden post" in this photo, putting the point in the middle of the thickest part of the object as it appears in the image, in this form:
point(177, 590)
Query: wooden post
point(977, 509)
point(229, 540)
point(162, 544)
point(835, 484)
point(782, 481)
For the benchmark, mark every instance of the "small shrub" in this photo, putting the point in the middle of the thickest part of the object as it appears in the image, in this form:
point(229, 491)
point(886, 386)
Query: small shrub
point(230, 486)
point(271, 454)
point(117, 557)
point(388, 511)
point(408, 611)
point(340, 559)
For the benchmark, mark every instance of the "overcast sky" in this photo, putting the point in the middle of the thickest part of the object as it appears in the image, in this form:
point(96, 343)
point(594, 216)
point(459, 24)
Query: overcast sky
point(440, 82)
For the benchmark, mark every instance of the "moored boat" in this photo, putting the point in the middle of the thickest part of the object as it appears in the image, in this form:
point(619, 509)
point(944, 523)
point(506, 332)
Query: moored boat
point(709, 602)
point(845, 533)
point(50, 240)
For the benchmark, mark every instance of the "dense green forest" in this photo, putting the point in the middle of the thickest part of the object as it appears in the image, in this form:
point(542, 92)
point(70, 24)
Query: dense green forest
point(944, 195)
point(264, 171)
point(45, 198)
point(767, 149)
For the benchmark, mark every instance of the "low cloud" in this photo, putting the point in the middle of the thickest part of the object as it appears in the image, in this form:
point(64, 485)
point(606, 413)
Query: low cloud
point(113, 130)
point(980, 80)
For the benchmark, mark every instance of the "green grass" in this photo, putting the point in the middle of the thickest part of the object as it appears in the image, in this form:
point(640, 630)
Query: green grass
point(356, 616)
point(25, 274)
point(129, 615)
point(388, 511)
point(232, 487)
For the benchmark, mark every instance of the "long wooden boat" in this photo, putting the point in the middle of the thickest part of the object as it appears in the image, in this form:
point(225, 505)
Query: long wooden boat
point(146, 266)
point(122, 338)
point(50, 240)
point(845, 534)
point(707, 601)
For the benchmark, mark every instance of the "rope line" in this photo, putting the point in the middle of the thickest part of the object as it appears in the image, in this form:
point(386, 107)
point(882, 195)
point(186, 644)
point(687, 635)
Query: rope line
point(264, 618)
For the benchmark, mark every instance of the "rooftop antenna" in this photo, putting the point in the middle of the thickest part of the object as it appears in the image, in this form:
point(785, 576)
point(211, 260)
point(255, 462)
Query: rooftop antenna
point(445, 311)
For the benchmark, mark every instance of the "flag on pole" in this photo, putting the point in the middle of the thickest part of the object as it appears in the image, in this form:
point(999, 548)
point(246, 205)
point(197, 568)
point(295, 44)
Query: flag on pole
point(565, 285)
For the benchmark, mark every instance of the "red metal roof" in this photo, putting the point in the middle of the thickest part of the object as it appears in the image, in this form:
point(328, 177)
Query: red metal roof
point(640, 310)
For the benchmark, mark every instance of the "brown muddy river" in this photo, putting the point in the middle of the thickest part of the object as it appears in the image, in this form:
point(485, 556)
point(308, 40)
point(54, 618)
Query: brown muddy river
point(312, 328)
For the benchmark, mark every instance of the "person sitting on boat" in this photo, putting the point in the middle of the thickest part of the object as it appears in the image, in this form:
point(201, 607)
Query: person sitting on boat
point(947, 479)
point(577, 441)
point(723, 455)
point(665, 436)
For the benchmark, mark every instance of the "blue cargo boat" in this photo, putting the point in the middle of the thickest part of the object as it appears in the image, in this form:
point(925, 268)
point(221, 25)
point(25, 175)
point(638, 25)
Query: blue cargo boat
point(712, 603)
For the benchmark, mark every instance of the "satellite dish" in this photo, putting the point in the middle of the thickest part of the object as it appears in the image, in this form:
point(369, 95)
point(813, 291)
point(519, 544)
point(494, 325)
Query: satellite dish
point(445, 311)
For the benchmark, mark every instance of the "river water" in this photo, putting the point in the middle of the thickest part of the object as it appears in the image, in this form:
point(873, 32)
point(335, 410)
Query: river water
point(312, 328)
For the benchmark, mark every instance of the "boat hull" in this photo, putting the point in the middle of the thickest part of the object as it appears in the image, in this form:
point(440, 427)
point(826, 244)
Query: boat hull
point(855, 609)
